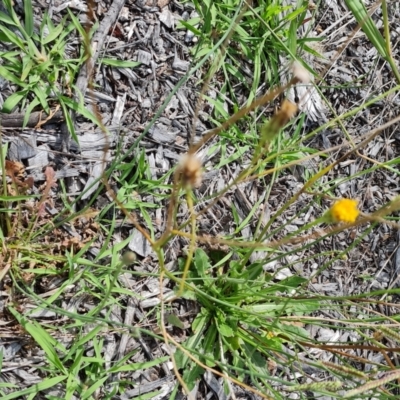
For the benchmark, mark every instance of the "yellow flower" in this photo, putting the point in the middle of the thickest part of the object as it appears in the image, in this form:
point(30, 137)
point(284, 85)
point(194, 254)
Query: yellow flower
point(270, 335)
point(344, 210)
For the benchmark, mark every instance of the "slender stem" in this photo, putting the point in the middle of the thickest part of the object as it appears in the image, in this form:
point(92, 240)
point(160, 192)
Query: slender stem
point(173, 203)
point(192, 240)
point(386, 28)
point(387, 41)
point(5, 224)
point(164, 330)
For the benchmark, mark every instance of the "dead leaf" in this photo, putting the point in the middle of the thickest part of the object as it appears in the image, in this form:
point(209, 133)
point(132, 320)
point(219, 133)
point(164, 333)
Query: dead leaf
point(50, 175)
point(15, 170)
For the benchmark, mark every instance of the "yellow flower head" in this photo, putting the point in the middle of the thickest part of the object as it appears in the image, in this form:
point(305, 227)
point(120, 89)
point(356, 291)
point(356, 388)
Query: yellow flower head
point(344, 210)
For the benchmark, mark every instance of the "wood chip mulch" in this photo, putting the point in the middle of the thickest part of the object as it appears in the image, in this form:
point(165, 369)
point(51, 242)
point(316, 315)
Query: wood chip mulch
point(42, 154)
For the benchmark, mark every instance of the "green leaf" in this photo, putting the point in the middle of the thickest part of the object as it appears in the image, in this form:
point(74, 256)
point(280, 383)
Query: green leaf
point(225, 330)
point(256, 358)
point(234, 156)
point(209, 344)
point(118, 247)
point(42, 96)
point(33, 51)
point(18, 198)
point(10, 9)
point(89, 391)
point(42, 338)
point(368, 26)
point(138, 366)
point(12, 56)
point(1, 359)
point(119, 63)
point(146, 216)
point(60, 43)
point(201, 262)
point(12, 37)
point(198, 326)
point(69, 122)
point(27, 65)
point(6, 74)
point(82, 341)
point(254, 271)
point(219, 106)
point(78, 358)
point(34, 103)
point(273, 343)
point(265, 309)
point(6, 18)
point(189, 295)
point(78, 25)
point(54, 33)
point(189, 25)
point(249, 216)
point(28, 11)
point(291, 329)
point(291, 283)
point(150, 395)
point(34, 389)
point(79, 108)
point(72, 383)
point(175, 321)
point(200, 321)
point(192, 374)
point(13, 100)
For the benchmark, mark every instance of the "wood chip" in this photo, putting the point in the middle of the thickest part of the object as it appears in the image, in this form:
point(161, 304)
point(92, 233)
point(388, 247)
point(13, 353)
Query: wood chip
point(144, 57)
point(180, 65)
point(94, 180)
point(139, 243)
point(41, 159)
point(22, 148)
point(118, 110)
point(167, 18)
point(161, 133)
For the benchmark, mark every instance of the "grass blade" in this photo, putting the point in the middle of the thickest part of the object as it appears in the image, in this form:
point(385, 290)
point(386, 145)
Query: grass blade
point(28, 11)
point(137, 366)
point(13, 100)
point(119, 63)
point(368, 26)
point(42, 338)
point(34, 389)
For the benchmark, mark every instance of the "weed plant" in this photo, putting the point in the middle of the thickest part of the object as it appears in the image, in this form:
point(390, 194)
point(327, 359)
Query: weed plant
point(253, 319)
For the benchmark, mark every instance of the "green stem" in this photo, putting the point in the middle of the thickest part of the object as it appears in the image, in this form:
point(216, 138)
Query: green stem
point(192, 241)
point(5, 223)
point(387, 40)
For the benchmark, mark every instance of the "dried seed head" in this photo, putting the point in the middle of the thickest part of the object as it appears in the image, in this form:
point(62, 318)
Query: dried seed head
point(190, 170)
point(285, 114)
point(277, 122)
point(300, 74)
